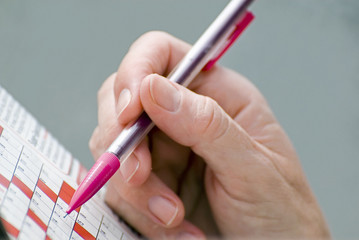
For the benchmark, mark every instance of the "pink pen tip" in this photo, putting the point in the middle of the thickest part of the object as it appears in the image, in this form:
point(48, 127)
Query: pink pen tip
point(69, 210)
point(98, 175)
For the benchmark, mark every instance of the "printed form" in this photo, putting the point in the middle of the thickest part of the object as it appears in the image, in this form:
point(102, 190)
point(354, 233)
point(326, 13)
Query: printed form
point(38, 177)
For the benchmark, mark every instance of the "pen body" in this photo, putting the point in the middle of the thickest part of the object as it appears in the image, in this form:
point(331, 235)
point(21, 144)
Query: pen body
point(130, 137)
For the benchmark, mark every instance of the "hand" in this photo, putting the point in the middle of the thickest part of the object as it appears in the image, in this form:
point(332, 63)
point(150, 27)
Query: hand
point(218, 163)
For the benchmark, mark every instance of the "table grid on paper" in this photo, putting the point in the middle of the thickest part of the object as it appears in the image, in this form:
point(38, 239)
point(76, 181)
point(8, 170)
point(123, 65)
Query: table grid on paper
point(33, 199)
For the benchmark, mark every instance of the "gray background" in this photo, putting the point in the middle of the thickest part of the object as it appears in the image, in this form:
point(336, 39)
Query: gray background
point(302, 54)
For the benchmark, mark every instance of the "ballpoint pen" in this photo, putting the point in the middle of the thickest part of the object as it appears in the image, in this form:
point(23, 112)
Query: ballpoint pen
point(213, 43)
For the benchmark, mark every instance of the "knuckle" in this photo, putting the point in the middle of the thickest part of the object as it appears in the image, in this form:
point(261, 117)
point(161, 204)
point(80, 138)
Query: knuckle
point(155, 34)
point(151, 37)
point(210, 120)
point(157, 43)
point(149, 53)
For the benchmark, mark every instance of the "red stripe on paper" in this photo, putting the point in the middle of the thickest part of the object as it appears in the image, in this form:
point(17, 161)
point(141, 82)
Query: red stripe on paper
point(51, 194)
point(1, 129)
point(83, 232)
point(47, 238)
point(36, 219)
point(66, 192)
point(10, 228)
point(25, 189)
point(4, 181)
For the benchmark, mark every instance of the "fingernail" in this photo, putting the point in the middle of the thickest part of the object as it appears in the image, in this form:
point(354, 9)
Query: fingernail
point(163, 209)
point(129, 167)
point(123, 101)
point(165, 94)
point(187, 236)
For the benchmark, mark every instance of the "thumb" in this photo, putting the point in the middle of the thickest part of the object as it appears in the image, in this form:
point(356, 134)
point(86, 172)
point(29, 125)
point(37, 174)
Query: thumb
point(196, 121)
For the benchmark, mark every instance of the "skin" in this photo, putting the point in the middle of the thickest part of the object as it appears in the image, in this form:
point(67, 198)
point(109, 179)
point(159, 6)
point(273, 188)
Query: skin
point(217, 164)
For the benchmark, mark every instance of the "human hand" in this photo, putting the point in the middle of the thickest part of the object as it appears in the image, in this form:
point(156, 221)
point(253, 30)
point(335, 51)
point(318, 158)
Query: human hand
point(219, 162)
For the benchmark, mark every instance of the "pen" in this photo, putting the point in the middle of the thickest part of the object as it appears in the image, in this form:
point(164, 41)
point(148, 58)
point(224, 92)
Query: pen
point(213, 43)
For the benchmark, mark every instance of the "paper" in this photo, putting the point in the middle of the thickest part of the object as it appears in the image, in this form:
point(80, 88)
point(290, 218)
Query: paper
point(37, 179)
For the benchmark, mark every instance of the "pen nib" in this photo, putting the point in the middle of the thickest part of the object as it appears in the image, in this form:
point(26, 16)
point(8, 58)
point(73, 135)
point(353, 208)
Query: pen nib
point(66, 215)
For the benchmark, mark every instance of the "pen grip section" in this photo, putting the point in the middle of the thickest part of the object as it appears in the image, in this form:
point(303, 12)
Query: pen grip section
point(130, 137)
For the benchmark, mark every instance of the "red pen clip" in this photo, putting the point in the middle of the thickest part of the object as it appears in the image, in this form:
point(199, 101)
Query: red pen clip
point(240, 27)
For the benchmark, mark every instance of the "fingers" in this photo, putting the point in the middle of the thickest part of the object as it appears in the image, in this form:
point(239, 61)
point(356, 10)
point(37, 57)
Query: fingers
point(145, 224)
point(143, 191)
point(137, 167)
point(149, 207)
point(119, 103)
point(153, 198)
point(154, 52)
point(196, 121)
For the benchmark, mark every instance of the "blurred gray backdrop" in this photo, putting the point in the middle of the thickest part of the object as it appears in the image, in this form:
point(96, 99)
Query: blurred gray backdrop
point(302, 54)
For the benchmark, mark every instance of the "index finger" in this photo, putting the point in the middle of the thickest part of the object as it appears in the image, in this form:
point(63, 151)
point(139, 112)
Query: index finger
point(154, 52)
